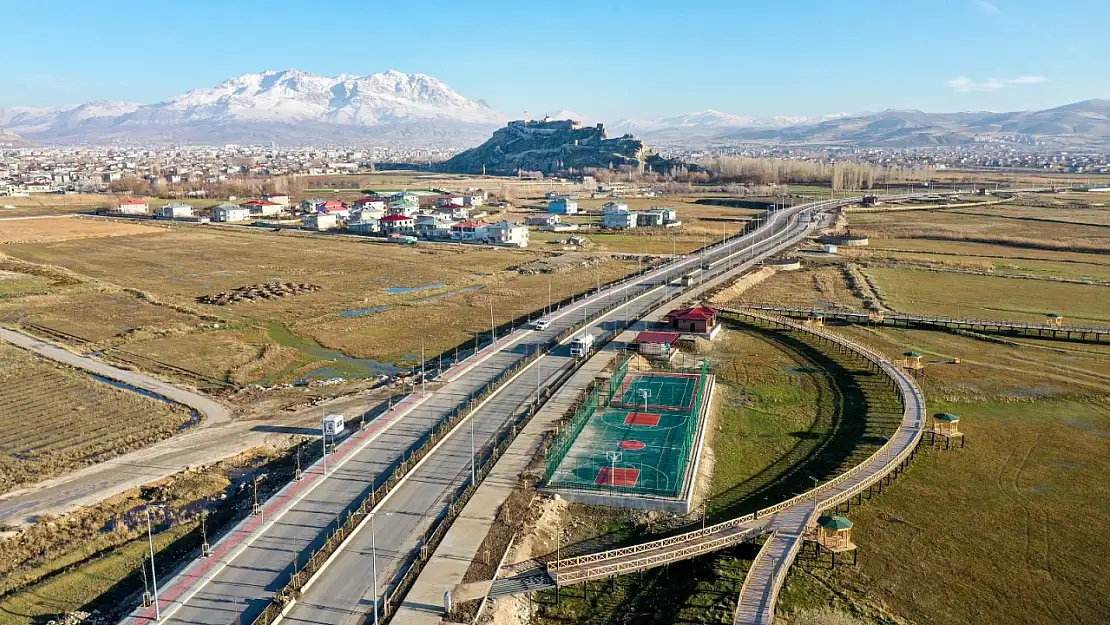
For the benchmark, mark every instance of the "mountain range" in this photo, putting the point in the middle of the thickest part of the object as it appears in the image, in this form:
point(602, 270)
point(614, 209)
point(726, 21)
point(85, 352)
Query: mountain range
point(297, 107)
point(289, 106)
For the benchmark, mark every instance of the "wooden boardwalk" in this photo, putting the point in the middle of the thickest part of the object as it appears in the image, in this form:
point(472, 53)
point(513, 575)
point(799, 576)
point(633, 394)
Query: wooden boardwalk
point(987, 326)
point(787, 521)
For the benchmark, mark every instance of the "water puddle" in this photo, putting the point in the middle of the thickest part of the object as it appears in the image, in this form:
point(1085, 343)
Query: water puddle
point(399, 290)
point(432, 298)
point(363, 312)
point(340, 365)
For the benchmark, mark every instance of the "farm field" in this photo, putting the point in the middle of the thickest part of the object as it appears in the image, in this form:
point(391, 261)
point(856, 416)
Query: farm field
point(55, 420)
point(144, 289)
point(66, 228)
point(1016, 226)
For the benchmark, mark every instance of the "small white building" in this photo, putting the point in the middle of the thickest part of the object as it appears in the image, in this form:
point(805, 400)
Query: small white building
point(398, 224)
point(546, 220)
point(175, 210)
point(230, 212)
point(617, 215)
point(434, 226)
point(507, 233)
point(320, 221)
point(278, 198)
point(262, 208)
point(365, 225)
point(477, 198)
point(133, 207)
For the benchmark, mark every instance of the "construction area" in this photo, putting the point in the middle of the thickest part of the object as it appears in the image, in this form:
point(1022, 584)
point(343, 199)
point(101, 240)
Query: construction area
point(634, 441)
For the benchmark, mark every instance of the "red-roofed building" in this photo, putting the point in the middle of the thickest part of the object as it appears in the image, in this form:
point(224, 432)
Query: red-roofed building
point(133, 207)
point(699, 320)
point(650, 343)
point(469, 231)
point(398, 224)
point(334, 207)
point(369, 202)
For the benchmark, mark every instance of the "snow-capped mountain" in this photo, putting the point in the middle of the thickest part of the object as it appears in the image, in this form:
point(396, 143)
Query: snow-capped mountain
point(286, 106)
point(706, 125)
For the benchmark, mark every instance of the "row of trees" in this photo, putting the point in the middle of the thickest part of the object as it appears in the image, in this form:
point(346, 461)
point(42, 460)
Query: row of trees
point(748, 170)
point(235, 187)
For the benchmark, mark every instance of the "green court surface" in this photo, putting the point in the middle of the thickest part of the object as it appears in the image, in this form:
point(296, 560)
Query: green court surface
point(631, 449)
point(657, 391)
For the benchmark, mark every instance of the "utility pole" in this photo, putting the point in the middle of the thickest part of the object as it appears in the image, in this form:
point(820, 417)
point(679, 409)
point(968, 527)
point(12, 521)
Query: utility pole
point(324, 438)
point(374, 551)
point(472, 472)
point(423, 369)
point(153, 575)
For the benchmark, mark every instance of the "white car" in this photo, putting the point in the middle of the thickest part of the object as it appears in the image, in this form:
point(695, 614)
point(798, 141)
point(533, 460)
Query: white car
point(541, 324)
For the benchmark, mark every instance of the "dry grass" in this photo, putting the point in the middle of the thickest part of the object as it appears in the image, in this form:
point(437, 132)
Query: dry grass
point(55, 420)
point(987, 297)
point(67, 229)
point(824, 286)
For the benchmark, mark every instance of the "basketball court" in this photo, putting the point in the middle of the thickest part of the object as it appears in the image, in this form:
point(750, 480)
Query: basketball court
point(641, 443)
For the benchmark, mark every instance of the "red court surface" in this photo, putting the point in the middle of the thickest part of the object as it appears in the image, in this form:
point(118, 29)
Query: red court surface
point(642, 418)
point(631, 445)
point(623, 476)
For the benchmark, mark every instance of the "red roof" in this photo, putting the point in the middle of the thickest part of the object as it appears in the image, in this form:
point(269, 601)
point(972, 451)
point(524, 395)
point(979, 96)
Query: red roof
point(367, 200)
point(259, 203)
point(393, 218)
point(129, 202)
point(330, 204)
point(697, 312)
point(666, 338)
point(468, 224)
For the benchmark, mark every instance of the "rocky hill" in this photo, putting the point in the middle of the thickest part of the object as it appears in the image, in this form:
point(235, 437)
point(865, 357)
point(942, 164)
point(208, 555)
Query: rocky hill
point(547, 146)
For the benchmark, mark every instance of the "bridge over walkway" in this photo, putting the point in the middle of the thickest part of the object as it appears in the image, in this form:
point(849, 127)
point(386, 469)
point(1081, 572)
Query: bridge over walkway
point(1043, 330)
point(786, 521)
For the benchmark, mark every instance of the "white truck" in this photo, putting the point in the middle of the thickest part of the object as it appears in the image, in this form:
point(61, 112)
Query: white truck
point(581, 344)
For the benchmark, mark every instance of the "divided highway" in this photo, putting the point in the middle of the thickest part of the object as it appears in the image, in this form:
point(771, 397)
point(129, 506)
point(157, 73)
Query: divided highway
point(256, 558)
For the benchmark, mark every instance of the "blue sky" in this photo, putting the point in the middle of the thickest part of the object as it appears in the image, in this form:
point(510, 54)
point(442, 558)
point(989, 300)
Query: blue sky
point(599, 58)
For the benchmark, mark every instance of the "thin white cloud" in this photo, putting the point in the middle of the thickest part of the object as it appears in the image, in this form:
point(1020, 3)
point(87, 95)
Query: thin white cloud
point(987, 8)
point(964, 84)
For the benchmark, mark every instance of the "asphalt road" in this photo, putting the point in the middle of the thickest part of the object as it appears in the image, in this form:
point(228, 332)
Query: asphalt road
point(344, 592)
point(245, 580)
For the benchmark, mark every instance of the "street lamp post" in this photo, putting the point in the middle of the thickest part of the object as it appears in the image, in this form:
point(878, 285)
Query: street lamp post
point(153, 575)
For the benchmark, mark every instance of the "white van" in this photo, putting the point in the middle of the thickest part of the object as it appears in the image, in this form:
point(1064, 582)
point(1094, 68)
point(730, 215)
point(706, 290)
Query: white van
point(541, 324)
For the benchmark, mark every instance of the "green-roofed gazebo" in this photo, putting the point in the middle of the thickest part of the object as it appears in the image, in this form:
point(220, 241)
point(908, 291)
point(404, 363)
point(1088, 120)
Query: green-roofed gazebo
point(834, 533)
point(946, 424)
point(816, 319)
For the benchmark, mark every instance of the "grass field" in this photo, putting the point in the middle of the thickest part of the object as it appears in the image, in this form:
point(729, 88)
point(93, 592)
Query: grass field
point(55, 420)
point(1017, 516)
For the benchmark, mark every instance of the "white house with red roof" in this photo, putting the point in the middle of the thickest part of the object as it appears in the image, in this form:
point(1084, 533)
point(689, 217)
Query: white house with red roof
point(133, 207)
point(334, 207)
point(398, 224)
point(472, 231)
point(369, 202)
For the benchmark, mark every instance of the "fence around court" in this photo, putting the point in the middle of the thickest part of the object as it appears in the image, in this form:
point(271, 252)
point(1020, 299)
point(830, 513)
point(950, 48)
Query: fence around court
point(589, 407)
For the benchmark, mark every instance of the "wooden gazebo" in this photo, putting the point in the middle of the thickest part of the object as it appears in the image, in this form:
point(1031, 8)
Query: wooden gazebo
point(815, 319)
point(834, 534)
point(1055, 319)
point(946, 425)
